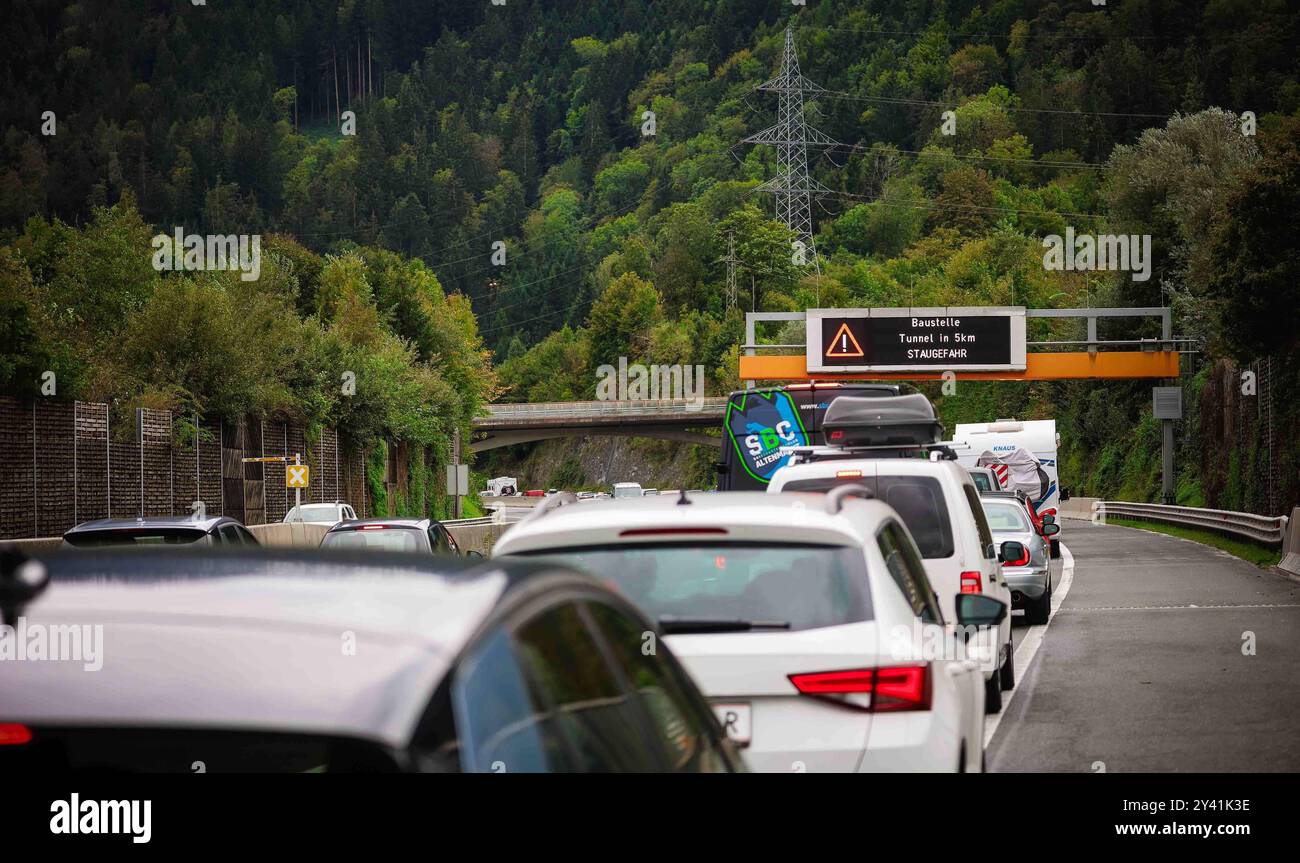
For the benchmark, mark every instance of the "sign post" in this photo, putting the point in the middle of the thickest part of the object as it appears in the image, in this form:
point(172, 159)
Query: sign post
point(1167, 406)
point(903, 339)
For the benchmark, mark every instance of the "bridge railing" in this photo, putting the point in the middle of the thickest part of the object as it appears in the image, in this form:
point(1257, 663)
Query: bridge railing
point(640, 407)
point(1258, 528)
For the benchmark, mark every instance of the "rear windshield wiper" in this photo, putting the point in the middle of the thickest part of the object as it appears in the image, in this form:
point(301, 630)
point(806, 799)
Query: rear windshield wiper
point(670, 624)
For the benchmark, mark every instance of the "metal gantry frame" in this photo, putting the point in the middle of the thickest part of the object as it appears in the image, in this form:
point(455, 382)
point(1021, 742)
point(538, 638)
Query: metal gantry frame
point(1166, 343)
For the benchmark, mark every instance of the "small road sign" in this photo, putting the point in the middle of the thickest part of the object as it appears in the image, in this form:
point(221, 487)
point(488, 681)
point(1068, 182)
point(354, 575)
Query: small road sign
point(295, 476)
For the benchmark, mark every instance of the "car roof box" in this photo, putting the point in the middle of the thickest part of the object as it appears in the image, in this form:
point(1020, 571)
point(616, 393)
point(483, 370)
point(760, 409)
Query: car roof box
point(905, 420)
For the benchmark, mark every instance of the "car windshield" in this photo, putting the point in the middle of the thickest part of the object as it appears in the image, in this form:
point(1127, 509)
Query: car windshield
point(807, 586)
point(383, 539)
point(1005, 517)
point(135, 536)
point(314, 512)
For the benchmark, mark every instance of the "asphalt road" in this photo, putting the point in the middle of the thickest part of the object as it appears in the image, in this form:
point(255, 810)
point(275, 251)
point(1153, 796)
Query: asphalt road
point(1142, 668)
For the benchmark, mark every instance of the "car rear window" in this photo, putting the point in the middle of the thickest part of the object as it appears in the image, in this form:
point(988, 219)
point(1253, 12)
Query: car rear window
point(1005, 516)
point(808, 586)
point(314, 512)
point(377, 539)
point(918, 499)
point(982, 481)
point(134, 536)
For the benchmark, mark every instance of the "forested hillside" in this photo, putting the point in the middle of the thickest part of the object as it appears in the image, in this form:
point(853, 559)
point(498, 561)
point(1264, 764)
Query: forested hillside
point(526, 125)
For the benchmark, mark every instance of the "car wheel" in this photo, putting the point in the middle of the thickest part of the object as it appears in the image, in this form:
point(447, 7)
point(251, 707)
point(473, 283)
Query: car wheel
point(1038, 610)
point(993, 694)
point(1007, 673)
point(1055, 548)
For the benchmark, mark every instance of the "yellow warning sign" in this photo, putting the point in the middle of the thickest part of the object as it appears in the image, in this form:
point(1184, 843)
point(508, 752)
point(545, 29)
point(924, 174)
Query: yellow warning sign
point(844, 344)
point(295, 476)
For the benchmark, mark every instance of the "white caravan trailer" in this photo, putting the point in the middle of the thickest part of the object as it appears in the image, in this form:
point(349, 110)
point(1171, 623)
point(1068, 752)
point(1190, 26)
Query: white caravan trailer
point(1003, 438)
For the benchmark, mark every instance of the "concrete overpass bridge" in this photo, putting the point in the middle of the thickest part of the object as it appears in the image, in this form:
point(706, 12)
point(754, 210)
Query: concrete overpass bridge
point(666, 419)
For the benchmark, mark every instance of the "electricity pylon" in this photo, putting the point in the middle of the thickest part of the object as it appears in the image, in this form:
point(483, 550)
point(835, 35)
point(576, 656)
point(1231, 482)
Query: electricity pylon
point(731, 261)
point(793, 188)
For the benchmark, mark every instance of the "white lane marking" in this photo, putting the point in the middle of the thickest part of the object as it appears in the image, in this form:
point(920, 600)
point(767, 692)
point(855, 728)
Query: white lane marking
point(1032, 641)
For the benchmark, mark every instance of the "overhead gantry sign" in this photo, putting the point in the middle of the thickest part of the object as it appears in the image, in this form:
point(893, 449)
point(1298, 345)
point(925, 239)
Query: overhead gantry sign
point(975, 343)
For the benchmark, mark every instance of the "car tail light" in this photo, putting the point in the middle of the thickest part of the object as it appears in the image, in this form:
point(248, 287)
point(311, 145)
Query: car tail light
point(837, 434)
point(972, 582)
point(14, 734)
point(892, 688)
point(374, 527)
point(902, 687)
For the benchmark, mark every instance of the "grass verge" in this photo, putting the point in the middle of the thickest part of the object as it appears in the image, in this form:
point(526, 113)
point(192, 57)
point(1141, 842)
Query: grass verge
point(1260, 555)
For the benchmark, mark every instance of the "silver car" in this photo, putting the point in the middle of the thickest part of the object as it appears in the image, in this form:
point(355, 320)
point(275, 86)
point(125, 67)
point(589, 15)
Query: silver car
point(1030, 578)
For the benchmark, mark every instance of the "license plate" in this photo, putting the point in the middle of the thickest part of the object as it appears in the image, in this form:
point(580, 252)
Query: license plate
point(736, 721)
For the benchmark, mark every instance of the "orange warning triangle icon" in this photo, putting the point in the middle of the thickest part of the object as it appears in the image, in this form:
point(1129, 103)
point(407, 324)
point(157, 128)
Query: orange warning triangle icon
point(844, 344)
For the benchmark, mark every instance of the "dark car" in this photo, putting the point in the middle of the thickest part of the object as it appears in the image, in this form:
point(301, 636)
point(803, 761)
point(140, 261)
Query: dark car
point(290, 661)
point(393, 534)
point(160, 530)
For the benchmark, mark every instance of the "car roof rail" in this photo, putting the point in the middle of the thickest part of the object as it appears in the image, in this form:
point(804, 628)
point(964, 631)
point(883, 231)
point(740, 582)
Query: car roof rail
point(945, 450)
point(835, 497)
point(555, 501)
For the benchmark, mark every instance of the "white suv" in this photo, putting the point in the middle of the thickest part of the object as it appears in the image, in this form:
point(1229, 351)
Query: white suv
point(941, 507)
point(799, 616)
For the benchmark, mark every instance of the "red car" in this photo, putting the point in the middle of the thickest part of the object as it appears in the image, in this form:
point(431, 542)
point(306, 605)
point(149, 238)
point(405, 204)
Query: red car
point(534, 492)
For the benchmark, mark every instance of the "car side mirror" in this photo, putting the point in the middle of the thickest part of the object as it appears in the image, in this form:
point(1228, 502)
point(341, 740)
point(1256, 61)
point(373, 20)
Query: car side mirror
point(473, 553)
point(1051, 528)
point(977, 609)
point(1012, 550)
point(721, 467)
point(1065, 495)
point(1048, 519)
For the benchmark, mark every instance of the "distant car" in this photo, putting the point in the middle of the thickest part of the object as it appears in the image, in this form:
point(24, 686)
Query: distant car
point(586, 495)
point(159, 530)
point(649, 492)
point(233, 660)
point(320, 513)
point(534, 492)
point(393, 534)
point(1030, 576)
point(627, 489)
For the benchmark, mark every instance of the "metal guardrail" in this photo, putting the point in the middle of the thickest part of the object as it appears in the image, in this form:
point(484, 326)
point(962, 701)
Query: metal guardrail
point(467, 522)
point(1260, 528)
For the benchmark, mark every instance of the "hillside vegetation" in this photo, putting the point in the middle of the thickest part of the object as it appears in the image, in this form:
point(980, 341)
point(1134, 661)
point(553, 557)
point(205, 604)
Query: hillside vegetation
point(522, 129)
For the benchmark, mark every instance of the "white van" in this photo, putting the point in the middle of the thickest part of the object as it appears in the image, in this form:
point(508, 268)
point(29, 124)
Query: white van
point(1002, 438)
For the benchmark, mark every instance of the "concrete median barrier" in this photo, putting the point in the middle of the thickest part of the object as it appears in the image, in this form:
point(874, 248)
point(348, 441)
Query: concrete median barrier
point(477, 537)
point(1078, 507)
point(288, 534)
